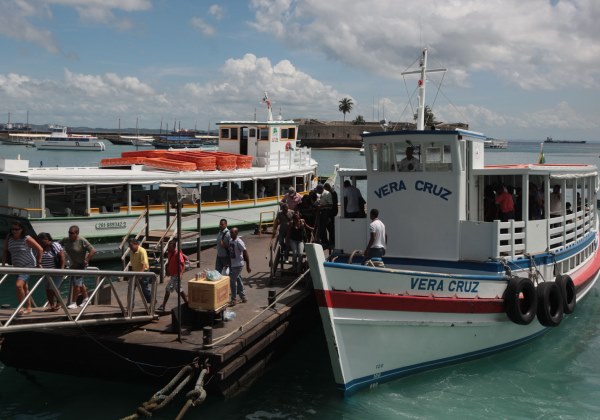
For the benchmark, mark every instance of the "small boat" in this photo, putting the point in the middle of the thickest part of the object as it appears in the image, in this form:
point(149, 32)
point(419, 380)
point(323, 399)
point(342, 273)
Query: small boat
point(21, 139)
point(551, 140)
point(183, 142)
point(495, 144)
point(458, 280)
point(60, 139)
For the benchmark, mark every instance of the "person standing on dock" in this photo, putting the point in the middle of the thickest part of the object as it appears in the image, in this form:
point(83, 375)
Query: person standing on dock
point(223, 238)
point(239, 257)
point(139, 262)
point(53, 257)
point(80, 253)
point(333, 212)
point(175, 272)
point(280, 228)
point(377, 237)
point(20, 246)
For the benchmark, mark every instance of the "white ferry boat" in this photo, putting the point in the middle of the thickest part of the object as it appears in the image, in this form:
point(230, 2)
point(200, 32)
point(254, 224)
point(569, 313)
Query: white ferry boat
point(60, 139)
point(456, 282)
point(105, 201)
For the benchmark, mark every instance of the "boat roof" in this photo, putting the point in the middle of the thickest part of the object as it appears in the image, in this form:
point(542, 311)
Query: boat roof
point(273, 122)
point(139, 174)
point(472, 135)
point(556, 170)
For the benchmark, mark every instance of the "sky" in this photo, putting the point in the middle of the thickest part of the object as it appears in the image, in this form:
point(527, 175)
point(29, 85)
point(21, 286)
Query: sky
point(515, 69)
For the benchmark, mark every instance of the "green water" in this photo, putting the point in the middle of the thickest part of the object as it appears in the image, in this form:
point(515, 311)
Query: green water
point(555, 376)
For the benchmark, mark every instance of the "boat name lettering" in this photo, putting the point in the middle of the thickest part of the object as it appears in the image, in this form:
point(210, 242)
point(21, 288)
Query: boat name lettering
point(420, 185)
point(436, 285)
point(111, 225)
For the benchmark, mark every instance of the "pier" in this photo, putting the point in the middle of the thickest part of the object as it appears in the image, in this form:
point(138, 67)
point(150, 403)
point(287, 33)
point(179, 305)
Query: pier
point(142, 344)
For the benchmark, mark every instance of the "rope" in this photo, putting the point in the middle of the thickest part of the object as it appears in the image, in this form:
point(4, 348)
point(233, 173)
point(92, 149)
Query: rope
point(197, 395)
point(166, 394)
point(277, 299)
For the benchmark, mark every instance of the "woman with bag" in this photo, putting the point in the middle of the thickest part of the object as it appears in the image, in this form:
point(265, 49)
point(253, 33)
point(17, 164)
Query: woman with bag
point(53, 256)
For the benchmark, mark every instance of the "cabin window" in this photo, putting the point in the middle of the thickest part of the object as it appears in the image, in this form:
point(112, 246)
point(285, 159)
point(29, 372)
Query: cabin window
point(382, 157)
point(264, 134)
point(224, 133)
point(292, 133)
point(284, 133)
point(253, 132)
point(234, 134)
point(437, 157)
point(496, 185)
point(400, 150)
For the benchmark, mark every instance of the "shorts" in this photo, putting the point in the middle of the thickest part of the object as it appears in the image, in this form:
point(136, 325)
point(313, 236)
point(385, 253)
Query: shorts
point(77, 281)
point(173, 284)
point(23, 277)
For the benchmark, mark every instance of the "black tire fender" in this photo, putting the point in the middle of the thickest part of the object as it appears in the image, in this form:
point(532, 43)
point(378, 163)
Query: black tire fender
point(550, 304)
point(520, 302)
point(568, 292)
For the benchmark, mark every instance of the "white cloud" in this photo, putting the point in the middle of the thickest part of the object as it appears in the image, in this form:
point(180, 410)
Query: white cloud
point(202, 26)
point(537, 44)
point(295, 92)
point(216, 11)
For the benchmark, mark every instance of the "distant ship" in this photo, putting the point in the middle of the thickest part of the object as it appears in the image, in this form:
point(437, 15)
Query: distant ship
point(550, 140)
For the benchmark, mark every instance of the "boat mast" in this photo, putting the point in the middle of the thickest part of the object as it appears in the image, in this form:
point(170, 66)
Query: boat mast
point(267, 101)
point(423, 73)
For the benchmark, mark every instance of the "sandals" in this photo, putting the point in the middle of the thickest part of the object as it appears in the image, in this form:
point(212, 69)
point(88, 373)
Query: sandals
point(161, 308)
point(232, 302)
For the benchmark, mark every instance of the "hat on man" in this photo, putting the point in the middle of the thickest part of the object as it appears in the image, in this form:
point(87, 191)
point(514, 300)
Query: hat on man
point(291, 190)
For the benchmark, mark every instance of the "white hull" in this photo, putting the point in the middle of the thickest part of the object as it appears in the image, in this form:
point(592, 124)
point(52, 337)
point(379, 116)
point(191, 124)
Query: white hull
point(71, 145)
point(375, 330)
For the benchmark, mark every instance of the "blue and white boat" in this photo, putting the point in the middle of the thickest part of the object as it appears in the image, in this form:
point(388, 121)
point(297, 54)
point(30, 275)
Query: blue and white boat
point(60, 139)
point(457, 280)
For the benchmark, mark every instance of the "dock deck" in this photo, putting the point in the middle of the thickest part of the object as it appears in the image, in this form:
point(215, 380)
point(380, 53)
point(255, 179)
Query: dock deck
point(151, 350)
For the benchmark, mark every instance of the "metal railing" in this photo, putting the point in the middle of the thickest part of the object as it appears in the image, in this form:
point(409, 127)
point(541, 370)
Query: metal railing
point(95, 311)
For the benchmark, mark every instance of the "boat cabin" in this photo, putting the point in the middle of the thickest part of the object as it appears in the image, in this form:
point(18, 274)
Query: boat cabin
point(445, 206)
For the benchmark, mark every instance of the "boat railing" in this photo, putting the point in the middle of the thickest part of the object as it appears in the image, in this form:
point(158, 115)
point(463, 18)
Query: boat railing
point(22, 211)
point(111, 301)
point(287, 159)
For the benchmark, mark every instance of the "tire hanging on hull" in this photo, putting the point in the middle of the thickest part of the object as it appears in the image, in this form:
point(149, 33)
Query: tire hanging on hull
point(520, 302)
point(568, 293)
point(550, 304)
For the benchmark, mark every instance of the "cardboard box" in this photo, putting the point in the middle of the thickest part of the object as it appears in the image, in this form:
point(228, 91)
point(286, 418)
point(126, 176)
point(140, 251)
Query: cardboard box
point(206, 295)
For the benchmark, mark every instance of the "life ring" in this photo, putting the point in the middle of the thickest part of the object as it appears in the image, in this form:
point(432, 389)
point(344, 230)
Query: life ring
point(550, 304)
point(567, 290)
point(520, 302)
point(288, 146)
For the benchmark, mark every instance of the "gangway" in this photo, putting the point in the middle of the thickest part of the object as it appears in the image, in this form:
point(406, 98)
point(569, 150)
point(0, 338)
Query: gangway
point(100, 309)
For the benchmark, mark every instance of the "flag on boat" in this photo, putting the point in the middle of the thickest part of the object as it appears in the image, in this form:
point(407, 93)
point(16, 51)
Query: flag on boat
point(541, 157)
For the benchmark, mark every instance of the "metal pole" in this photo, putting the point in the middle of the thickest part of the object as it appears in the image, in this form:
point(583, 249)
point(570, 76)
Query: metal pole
point(179, 266)
point(199, 226)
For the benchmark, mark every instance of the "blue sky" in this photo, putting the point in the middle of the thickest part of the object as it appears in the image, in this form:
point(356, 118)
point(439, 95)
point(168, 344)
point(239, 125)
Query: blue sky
point(516, 69)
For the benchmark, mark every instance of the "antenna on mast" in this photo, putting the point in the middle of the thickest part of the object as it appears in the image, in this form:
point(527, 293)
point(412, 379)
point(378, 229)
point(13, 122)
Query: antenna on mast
point(423, 72)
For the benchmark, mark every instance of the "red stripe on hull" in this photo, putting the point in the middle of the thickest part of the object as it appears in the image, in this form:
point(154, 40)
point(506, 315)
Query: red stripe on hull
point(586, 273)
point(381, 302)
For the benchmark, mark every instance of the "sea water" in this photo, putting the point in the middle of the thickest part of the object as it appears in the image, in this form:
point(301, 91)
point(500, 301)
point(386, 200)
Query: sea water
point(555, 376)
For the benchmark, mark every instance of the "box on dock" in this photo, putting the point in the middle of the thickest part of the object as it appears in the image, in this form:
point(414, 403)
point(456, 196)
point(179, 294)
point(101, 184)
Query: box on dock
point(206, 295)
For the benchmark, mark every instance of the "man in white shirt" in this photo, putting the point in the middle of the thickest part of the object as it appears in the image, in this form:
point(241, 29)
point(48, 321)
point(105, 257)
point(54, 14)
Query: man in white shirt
point(409, 163)
point(377, 237)
point(555, 203)
point(352, 200)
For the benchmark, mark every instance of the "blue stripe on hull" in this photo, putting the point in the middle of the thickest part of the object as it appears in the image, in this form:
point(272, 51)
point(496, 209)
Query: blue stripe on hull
point(359, 383)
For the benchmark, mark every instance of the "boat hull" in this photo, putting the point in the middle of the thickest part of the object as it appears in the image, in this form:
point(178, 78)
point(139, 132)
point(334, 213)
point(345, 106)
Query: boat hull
point(375, 335)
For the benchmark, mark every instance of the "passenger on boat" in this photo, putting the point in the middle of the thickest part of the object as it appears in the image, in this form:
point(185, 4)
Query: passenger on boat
point(536, 202)
point(239, 258)
point(280, 228)
point(555, 204)
point(352, 201)
point(53, 257)
point(80, 253)
point(139, 262)
point(377, 237)
point(490, 208)
point(506, 204)
point(295, 239)
point(223, 238)
point(292, 198)
point(409, 163)
point(20, 246)
point(332, 214)
point(175, 272)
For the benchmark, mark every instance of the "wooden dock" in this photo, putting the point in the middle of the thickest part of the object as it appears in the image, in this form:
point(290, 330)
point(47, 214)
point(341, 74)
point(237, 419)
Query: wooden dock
point(241, 347)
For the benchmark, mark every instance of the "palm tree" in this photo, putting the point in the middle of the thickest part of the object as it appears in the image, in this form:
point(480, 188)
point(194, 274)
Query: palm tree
point(345, 107)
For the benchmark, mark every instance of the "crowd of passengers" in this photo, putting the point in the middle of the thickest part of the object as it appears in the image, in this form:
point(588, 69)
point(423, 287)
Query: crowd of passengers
point(504, 202)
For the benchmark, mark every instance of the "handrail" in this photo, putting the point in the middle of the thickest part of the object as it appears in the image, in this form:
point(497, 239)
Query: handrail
point(67, 318)
point(126, 237)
